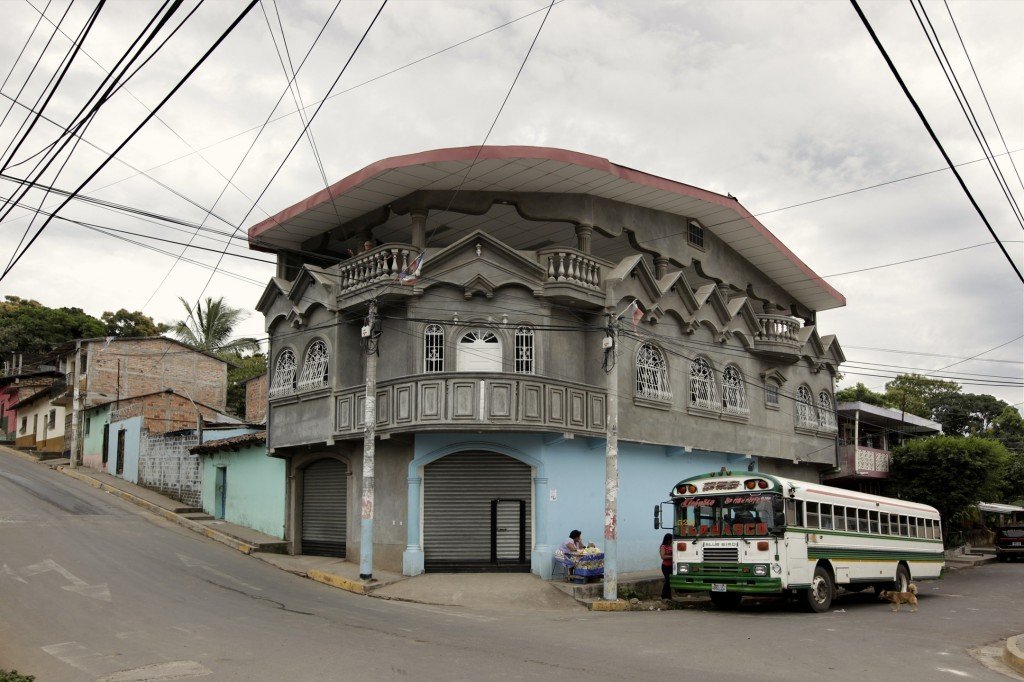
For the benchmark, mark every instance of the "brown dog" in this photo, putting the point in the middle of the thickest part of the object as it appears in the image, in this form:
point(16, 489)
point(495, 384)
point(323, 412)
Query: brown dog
point(897, 598)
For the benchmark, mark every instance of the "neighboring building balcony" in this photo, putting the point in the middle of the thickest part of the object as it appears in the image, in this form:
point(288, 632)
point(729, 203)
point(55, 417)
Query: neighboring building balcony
point(475, 401)
point(860, 462)
point(778, 335)
point(377, 265)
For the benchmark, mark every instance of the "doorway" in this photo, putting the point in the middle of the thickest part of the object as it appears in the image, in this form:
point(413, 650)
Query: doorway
point(120, 452)
point(220, 493)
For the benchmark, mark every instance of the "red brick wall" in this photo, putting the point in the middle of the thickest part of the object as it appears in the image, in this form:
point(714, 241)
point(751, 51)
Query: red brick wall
point(170, 412)
point(256, 399)
point(150, 365)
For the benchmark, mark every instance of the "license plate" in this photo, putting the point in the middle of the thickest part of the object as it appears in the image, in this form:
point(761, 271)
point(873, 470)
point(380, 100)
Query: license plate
point(718, 587)
point(1015, 544)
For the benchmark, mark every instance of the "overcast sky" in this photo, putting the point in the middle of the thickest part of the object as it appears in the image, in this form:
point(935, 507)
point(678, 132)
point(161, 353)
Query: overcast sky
point(777, 103)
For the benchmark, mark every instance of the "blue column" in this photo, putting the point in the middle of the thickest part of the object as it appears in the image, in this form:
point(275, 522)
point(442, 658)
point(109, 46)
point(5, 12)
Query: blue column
point(540, 559)
point(412, 557)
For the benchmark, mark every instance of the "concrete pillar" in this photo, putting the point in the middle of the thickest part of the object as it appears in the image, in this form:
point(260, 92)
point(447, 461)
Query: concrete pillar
point(412, 557)
point(583, 233)
point(660, 266)
point(540, 561)
point(419, 227)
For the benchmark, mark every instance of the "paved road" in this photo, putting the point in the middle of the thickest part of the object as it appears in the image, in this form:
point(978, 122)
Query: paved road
point(93, 588)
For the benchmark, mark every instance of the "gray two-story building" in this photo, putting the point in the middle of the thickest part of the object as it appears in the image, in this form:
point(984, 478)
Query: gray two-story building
point(496, 272)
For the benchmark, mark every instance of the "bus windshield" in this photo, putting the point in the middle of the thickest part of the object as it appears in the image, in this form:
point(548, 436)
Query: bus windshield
point(739, 514)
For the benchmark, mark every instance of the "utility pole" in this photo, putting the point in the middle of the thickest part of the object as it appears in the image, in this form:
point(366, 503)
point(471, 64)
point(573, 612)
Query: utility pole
point(370, 332)
point(75, 398)
point(611, 461)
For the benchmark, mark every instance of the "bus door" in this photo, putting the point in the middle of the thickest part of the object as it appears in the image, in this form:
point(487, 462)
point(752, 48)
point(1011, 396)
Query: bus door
point(797, 567)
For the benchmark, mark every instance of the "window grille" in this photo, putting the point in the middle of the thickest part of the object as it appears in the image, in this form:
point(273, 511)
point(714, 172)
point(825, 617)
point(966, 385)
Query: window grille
point(734, 397)
point(826, 411)
point(771, 393)
point(695, 234)
point(433, 348)
point(702, 385)
point(314, 366)
point(805, 416)
point(284, 374)
point(652, 374)
point(524, 351)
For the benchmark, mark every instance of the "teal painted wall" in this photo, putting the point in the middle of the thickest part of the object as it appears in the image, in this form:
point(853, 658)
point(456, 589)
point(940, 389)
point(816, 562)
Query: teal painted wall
point(92, 444)
point(255, 488)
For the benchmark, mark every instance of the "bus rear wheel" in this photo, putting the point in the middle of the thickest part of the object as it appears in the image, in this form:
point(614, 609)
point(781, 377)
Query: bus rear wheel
point(726, 600)
point(818, 597)
point(902, 583)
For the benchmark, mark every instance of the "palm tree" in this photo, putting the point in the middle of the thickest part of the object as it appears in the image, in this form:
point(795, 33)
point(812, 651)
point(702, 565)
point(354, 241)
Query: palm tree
point(208, 327)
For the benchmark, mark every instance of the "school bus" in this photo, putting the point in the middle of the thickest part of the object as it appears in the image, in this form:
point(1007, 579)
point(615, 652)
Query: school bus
point(739, 534)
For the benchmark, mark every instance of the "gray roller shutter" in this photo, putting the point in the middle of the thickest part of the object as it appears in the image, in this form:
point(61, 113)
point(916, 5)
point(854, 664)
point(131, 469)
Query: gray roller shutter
point(324, 508)
point(468, 496)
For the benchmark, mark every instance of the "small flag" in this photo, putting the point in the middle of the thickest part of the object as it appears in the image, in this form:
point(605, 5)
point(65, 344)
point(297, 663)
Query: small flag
point(636, 310)
point(411, 273)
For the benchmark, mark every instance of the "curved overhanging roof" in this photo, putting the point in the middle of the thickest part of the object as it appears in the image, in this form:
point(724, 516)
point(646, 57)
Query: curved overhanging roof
point(543, 169)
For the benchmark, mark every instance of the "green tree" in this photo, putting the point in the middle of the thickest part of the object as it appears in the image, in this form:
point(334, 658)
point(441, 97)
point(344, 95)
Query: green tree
point(28, 326)
point(859, 393)
point(966, 414)
point(132, 324)
point(915, 394)
point(1013, 480)
point(949, 473)
point(209, 327)
point(1008, 429)
point(244, 369)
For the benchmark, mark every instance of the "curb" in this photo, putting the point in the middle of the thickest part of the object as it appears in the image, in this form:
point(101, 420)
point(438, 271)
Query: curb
point(333, 580)
point(231, 542)
point(1013, 654)
point(617, 605)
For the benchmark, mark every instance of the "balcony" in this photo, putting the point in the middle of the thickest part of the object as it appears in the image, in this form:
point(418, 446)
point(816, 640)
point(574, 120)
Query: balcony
point(778, 335)
point(379, 264)
point(476, 401)
point(571, 274)
point(862, 463)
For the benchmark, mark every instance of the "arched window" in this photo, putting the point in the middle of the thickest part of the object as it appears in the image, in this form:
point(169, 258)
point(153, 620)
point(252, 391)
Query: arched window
point(734, 395)
point(702, 385)
point(826, 411)
point(805, 415)
point(314, 366)
point(433, 348)
point(284, 374)
point(524, 350)
point(651, 374)
point(479, 351)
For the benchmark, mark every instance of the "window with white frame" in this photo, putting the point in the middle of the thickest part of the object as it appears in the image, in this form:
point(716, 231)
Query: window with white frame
point(314, 366)
point(826, 411)
point(433, 348)
point(734, 397)
point(805, 413)
point(524, 350)
point(651, 373)
point(703, 391)
point(771, 393)
point(284, 374)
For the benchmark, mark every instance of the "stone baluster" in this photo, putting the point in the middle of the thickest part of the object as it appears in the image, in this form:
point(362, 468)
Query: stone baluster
point(574, 274)
point(561, 267)
point(551, 268)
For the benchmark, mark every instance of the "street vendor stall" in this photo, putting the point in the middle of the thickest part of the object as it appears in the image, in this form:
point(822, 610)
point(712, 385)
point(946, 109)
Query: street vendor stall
point(583, 565)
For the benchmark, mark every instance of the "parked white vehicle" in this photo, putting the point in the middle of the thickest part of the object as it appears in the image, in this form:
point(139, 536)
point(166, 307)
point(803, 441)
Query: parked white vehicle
point(751, 533)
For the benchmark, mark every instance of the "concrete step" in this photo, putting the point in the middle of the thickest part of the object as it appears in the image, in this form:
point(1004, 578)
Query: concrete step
point(184, 511)
point(196, 515)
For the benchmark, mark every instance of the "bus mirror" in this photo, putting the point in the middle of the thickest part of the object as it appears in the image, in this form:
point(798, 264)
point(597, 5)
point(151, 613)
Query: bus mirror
point(657, 516)
point(780, 519)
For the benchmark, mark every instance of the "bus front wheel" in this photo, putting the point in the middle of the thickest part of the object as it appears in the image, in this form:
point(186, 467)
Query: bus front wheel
point(818, 597)
point(726, 600)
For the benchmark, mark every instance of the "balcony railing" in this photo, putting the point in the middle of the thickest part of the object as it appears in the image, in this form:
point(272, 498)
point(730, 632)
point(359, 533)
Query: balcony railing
point(778, 328)
point(863, 462)
point(571, 266)
point(379, 264)
point(477, 401)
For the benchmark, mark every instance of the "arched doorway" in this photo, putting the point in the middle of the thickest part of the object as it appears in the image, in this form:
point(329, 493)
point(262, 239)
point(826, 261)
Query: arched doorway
point(479, 351)
point(325, 508)
point(477, 513)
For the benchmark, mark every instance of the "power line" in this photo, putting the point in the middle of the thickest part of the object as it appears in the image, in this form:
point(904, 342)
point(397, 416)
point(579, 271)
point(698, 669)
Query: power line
point(935, 139)
point(166, 98)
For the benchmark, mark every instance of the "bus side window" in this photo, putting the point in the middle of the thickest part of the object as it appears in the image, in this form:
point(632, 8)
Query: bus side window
point(826, 517)
point(885, 523)
point(793, 513)
point(874, 522)
point(903, 525)
point(812, 515)
point(928, 528)
point(913, 521)
point(862, 515)
point(839, 514)
point(938, 529)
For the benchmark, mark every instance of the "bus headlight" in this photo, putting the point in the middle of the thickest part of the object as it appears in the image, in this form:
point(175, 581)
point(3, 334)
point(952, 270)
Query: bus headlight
point(682, 568)
point(760, 570)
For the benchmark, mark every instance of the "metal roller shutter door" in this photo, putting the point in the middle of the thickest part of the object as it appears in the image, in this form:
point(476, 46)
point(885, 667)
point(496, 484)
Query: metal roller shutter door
point(324, 508)
point(457, 494)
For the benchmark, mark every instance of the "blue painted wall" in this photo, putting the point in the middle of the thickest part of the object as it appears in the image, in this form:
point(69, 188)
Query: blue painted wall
point(132, 445)
point(255, 488)
point(575, 472)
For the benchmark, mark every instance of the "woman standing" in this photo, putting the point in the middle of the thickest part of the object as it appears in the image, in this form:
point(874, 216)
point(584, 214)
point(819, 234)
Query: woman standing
point(665, 551)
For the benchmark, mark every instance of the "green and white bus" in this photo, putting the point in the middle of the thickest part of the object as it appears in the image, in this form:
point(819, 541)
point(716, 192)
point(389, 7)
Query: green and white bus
point(746, 533)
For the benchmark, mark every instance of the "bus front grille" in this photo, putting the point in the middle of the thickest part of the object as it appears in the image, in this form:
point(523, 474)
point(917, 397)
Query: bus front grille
point(726, 554)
